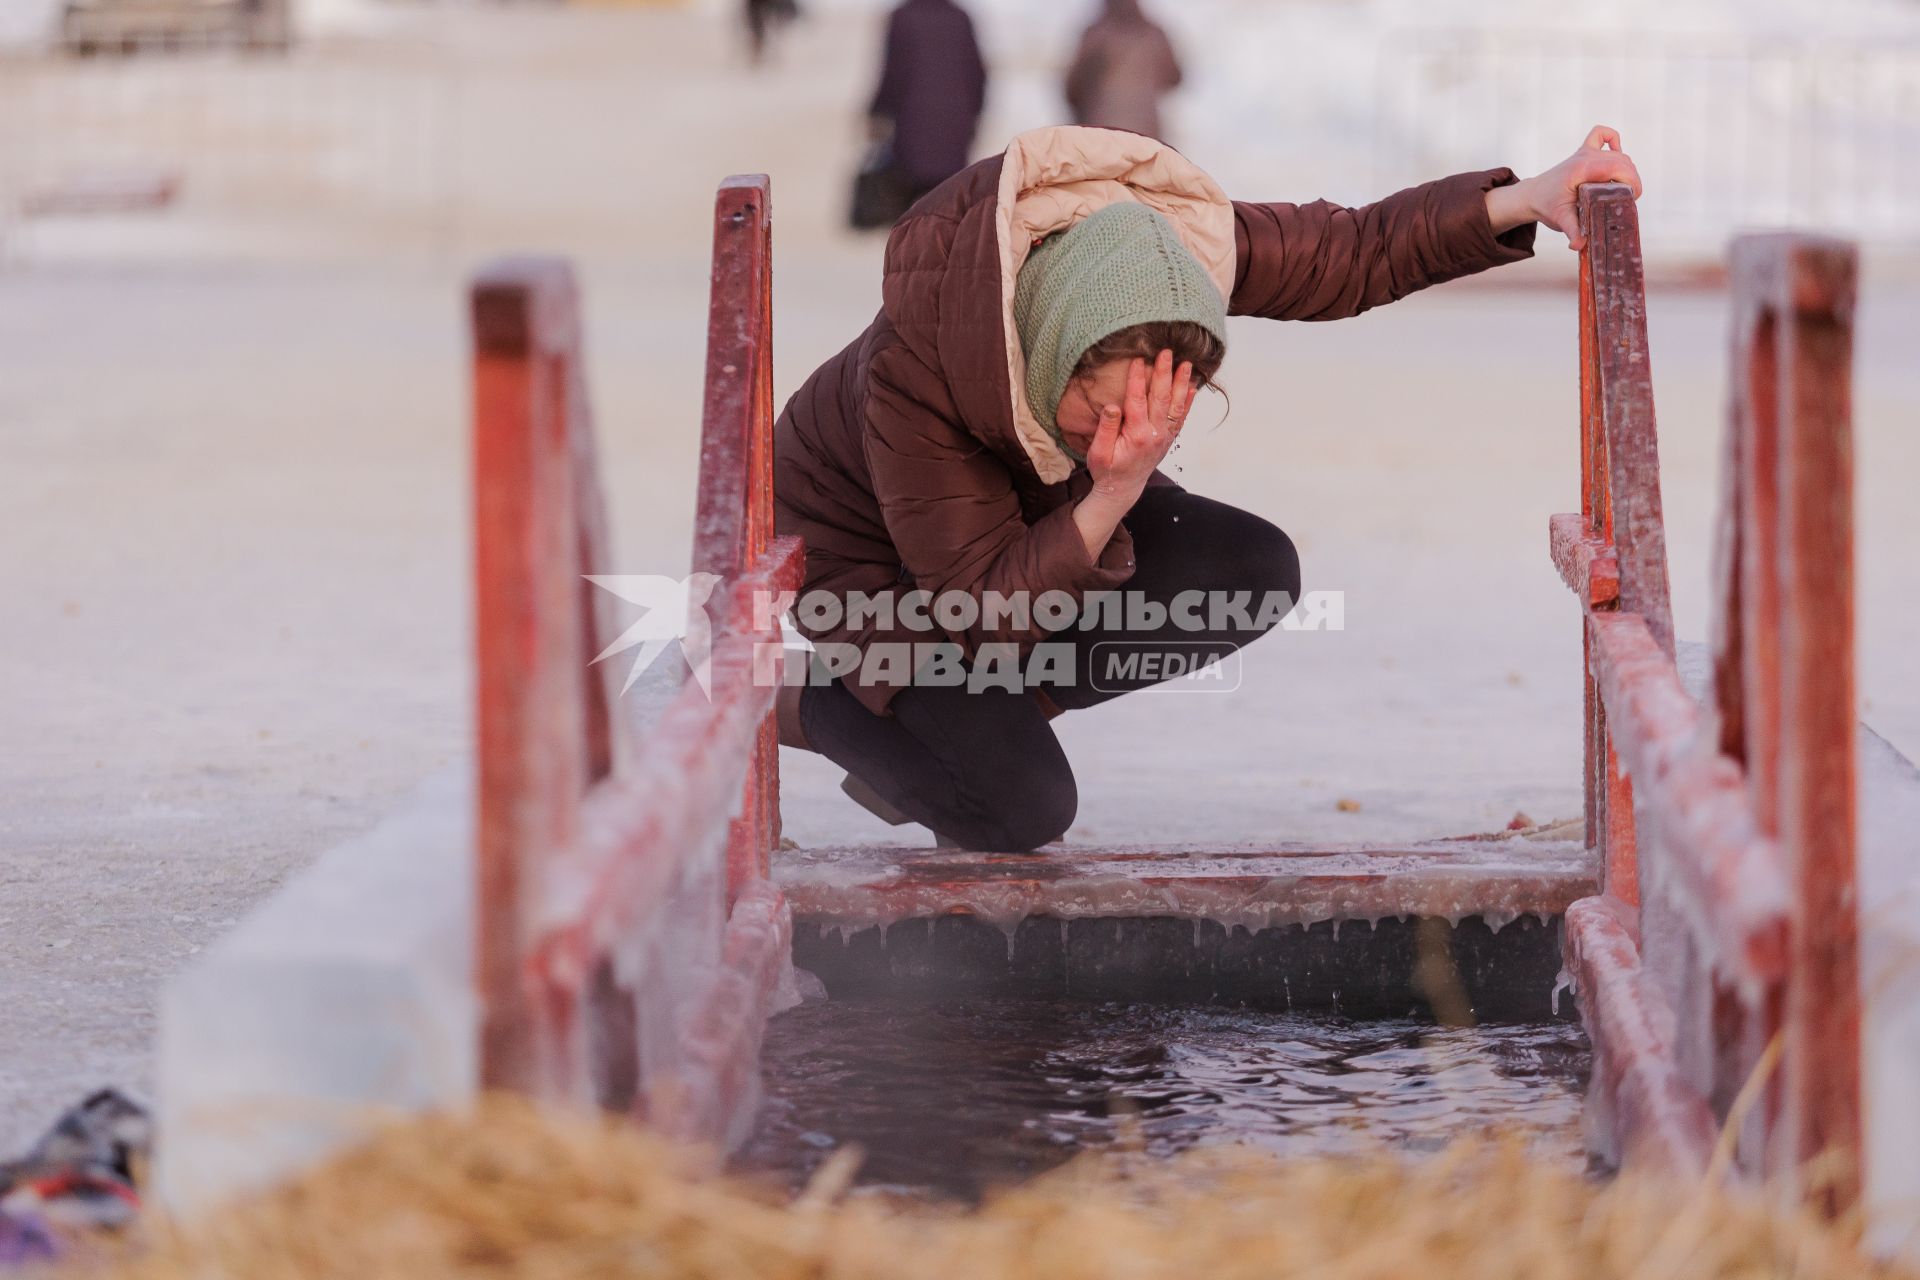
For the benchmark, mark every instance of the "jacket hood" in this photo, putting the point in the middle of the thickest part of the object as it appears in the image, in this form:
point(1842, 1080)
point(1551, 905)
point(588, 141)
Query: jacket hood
point(953, 261)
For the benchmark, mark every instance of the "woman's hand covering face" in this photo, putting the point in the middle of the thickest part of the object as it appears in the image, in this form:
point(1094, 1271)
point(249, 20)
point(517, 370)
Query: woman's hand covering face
point(1132, 437)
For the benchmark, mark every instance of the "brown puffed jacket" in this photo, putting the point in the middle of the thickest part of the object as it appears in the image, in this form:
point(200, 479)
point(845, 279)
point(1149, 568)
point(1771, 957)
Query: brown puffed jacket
point(912, 459)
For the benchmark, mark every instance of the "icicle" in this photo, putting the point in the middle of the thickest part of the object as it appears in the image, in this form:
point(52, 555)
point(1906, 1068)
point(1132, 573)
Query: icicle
point(1563, 981)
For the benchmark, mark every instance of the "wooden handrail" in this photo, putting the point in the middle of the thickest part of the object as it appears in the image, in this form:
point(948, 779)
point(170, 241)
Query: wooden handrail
point(629, 941)
point(543, 724)
point(1783, 651)
point(733, 520)
point(1618, 422)
point(1730, 828)
point(1620, 507)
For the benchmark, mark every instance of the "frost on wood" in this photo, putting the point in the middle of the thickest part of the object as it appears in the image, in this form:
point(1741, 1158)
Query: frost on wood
point(755, 980)
point(1253, 888)
point(629, 944)
point(1614, 298)
point(1651, 1115)
point(1585, 560)
point(662, 992)
point(1741, 844)
point(1290, 928)
point(1700, 854)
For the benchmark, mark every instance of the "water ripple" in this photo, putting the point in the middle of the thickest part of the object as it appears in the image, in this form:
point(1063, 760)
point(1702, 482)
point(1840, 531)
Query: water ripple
point(956, 1097)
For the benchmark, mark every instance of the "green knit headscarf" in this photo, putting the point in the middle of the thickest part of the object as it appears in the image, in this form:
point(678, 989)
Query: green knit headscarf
point(1117, 268)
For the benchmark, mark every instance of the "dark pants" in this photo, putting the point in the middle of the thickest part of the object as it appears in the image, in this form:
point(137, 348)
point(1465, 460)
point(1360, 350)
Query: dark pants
point(981, 766)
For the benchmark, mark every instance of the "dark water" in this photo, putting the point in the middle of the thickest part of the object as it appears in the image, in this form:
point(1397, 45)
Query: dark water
point(954, 1098)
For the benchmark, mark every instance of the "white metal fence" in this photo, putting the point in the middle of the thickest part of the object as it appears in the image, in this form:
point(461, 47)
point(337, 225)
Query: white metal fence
point(1728, 130)
point(359, 142)
point(353, 138)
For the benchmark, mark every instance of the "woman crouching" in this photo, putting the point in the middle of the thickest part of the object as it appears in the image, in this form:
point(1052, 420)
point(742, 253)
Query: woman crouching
point(989, 541)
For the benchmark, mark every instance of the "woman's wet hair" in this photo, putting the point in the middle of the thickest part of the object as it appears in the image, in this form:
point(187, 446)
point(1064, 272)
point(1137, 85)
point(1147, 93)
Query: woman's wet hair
point(1187, 340)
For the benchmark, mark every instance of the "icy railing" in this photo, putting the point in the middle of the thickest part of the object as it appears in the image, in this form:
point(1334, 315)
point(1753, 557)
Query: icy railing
point(733, 517)
point(1726, 830)
point(630, 944)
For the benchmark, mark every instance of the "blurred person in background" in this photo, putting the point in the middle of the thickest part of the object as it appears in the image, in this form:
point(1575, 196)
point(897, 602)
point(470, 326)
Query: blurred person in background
point(933, 86)
point(994, 438)
point(762, 16)
point(1124, 66)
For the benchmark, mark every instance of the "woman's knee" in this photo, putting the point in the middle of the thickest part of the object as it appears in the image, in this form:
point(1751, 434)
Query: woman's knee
point(1259, 557)
point(1275, 561)
point(1015, 797)
point(1037, 810)
point(1009, 786)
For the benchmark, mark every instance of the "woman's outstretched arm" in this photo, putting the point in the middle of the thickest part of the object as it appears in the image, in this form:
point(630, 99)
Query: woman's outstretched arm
point(1322, 261)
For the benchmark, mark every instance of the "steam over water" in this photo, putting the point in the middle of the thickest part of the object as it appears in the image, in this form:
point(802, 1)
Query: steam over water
point(955, 1098)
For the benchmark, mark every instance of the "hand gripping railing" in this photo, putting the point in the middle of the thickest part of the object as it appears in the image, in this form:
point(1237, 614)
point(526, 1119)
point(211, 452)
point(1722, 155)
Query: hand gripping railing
point(628, 937)
point(1730, 825)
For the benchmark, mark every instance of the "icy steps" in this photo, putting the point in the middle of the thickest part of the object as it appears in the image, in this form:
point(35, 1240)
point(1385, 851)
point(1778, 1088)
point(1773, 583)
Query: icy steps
point(1313, 928)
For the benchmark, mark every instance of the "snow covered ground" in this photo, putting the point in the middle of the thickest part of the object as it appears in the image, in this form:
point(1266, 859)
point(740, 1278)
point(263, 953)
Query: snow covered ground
point(235, 475)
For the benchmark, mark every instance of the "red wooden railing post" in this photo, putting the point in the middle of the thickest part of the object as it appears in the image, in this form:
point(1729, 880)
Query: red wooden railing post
point(733, 522)
point(1619, 488)
point(629, 945)
point(1745, 842)
point(1625, 404)
point(1794, 719)
point(543, 727)
point(1743, 643)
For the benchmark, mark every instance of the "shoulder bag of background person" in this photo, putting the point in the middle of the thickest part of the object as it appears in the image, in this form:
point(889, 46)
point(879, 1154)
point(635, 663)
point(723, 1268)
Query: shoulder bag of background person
point(881, 192)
